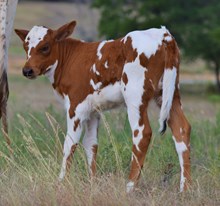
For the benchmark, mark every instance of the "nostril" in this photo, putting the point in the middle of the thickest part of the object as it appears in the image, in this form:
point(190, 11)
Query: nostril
point(28, 72)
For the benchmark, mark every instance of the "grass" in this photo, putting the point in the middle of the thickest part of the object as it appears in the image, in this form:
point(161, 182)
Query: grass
point(37, 131)
point(29, 177)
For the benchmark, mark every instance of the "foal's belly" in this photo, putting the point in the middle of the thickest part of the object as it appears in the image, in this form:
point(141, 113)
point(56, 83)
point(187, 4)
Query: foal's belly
point(108, 98)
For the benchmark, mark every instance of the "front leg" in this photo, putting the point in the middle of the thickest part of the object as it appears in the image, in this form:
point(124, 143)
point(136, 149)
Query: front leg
point(74, 130)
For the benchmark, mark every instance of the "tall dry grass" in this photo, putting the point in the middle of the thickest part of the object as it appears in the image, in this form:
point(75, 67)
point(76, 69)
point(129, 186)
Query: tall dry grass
point(29, 177)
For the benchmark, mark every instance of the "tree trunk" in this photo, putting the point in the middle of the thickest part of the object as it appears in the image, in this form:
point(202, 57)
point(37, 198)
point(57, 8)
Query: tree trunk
point(217, 76)
point(7, 13)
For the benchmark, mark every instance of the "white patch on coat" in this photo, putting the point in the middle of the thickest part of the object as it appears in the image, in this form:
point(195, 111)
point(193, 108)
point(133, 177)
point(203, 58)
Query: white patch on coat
point(169, 80)
point(107, 98)
point(106, 65)
point(99, 54)
point(134, 91)
point(59, 97)
point(93, 68)
point(138, 138)
point(181, 148)
point(152, 84)
point(34, 37)
point(130, 186)
point(168, 38)
point(90, 138)
point(95, 86)
point(134, 157)
point(181, 130)
point(50, 71)
point(146, 41)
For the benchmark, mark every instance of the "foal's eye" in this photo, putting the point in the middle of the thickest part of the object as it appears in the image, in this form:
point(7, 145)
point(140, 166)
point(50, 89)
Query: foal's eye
point(45, 49)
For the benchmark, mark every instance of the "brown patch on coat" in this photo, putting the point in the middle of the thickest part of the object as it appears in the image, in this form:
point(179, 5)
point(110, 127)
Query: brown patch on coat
point(125, 78)
point(112, 52)
point(172, 54)
point(76, 124)
point(70, 157)
point(136, 132)
point(131, 54)
point(72, 113)
point(143, 60)
point(93, 164)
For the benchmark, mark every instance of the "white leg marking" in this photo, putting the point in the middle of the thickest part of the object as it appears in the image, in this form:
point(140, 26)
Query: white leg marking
point(73, 135)
point(181, 148)
point(137, 139)
point(130, 186)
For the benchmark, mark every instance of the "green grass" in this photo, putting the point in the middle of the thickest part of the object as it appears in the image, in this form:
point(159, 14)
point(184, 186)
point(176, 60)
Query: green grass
point(29, 177)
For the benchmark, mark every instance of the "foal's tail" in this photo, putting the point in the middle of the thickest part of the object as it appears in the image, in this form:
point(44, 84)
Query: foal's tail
point(169, 78)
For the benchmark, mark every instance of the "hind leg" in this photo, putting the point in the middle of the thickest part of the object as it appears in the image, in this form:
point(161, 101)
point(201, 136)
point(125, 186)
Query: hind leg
point(90, 142)
point(141, 136)
point(137, 91)
point(181, 128)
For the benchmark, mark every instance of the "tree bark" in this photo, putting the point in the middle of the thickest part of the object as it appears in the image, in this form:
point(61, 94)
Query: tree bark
point(7, 13)
point(217, 76)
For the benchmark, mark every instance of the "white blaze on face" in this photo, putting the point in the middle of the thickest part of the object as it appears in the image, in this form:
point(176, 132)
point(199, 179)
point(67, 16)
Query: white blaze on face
point(181, 148)
point(35, 35)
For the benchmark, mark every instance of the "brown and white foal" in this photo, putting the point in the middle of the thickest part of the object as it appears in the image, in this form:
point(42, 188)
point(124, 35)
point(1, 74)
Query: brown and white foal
point(102, 75)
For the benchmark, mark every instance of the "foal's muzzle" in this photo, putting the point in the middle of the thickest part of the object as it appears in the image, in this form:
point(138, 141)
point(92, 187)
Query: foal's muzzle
point(28, 72)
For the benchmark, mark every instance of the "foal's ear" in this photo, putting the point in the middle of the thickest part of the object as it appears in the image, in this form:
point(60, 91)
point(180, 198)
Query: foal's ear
point(64, 31)
point(21, 33)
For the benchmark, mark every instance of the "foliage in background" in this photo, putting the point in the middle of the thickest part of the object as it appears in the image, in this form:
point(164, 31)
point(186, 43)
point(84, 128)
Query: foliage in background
point(194, 24)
